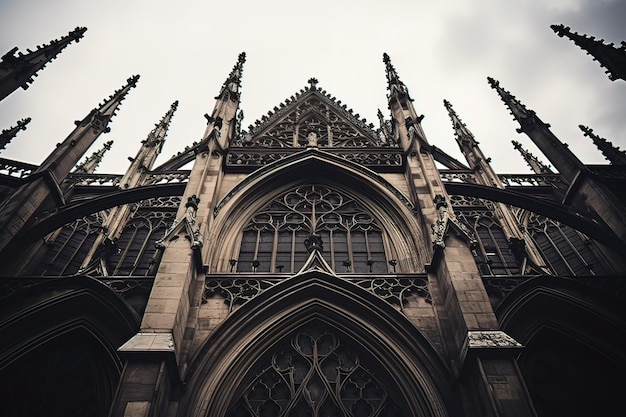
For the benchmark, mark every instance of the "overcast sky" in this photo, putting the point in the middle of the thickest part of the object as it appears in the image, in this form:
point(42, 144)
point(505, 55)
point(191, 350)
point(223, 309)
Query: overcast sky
point(184, 51)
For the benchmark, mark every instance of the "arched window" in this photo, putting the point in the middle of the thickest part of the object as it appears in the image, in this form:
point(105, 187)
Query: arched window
point(495, 255)
point(70, 246)
point(273, 240)
point(136, 245)
point(315, 372)
point(563, 248)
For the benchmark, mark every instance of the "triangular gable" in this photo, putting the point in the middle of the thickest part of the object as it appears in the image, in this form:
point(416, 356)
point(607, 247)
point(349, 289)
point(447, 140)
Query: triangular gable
point(311, 118)
point(316, 262)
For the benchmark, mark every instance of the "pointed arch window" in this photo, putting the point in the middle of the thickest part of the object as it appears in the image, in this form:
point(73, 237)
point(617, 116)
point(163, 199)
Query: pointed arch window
point(71, 246)
point(273, 240)
point(136, 245)
point(317, 373)
point(566, 251)
point(495, 255)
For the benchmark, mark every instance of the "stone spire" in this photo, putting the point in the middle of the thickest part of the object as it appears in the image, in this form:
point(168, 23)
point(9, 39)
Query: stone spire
point(230, 88)
point(89, 165)
point(611, 58)
point(613, 154)
point(151, 147)
point(486, 175)
point(406, 121)
point(222, 123)
point(43, 184)
point(19, 70)
point(468, 145)
point(137, 175)
point(86, 132)
point(567, 164)
point(8, 134)
point(394, 85)
point(464, 137)
point(533, 162)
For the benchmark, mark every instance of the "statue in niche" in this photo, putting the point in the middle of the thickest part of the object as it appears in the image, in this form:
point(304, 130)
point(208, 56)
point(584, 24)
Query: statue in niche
point(312, 139)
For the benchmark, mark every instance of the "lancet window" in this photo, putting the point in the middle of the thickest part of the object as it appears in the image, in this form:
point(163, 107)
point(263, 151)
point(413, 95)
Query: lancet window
point(566, 251)
point(136, 251)
point(70, 246)
point(495, 256)
point(273, 240)
point(316, 373)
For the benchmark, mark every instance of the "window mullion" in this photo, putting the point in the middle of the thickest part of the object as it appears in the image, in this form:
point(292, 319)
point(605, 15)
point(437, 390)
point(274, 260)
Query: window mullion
point(274, 248)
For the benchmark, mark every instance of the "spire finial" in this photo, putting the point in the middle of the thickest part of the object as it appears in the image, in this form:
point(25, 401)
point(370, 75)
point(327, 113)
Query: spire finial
point(313, 83)
point(230, 88)
point(89, 165)
point(157, 136)
point(526, 118)
point(20, 69)
point(611, 153)
point(394, 85)
point(533, 162)
point(8, 134)
point(108, 108)
point(611, 58)
point(462, 133)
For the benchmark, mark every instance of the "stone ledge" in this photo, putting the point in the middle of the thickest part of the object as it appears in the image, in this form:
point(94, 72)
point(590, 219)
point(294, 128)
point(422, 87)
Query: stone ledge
point(492, 343)
point(149, 342)
point(151, 346)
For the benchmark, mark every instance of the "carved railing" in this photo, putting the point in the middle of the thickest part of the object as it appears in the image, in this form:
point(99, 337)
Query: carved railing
point(463, 176)
point(377, 159)
point(16, 169)
point(531, 180)
point(167, 177)
point(95, 179)
point(237, 289)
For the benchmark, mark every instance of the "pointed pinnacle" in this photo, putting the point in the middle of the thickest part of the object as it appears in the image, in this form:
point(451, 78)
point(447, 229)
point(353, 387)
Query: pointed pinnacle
point(608, 56)
point(533, 162)
point(157, 135)
point(89, 165)
point(517, 109)
point(110, 105)
point(77, 33)
point(394, 85)
point(461, 131)
point(611, 153)
point(8, 134)
point(230, 88)
point(20, 69)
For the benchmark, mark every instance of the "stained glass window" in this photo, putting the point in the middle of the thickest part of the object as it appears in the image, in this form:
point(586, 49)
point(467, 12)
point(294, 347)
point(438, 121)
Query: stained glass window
point(273, 240)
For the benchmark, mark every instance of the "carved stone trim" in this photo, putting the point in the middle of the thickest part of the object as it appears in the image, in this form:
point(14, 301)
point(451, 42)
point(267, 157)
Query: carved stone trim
point(489, 342)
point(236, 290)
point(490, 339)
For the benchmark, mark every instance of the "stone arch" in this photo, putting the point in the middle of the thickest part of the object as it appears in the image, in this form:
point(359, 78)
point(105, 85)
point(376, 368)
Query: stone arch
point(60, 343)
point(575, 351)
point(391, 207)
point(221, 365)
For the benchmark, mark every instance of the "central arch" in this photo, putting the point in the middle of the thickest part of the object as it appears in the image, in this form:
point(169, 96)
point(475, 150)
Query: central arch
point(388, 205)
point(403, 357)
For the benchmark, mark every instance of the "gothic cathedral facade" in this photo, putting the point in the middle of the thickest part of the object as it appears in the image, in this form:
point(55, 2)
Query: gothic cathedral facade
point(311, 264)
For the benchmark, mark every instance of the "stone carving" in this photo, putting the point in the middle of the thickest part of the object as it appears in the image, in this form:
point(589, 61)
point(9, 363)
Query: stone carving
point(235, 291)
point(491, 339)
point(397, 290)
point(316, 373)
